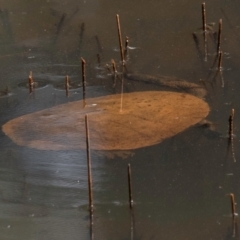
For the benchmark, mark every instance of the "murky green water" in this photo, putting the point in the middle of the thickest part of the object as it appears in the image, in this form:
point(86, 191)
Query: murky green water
point(180, 186)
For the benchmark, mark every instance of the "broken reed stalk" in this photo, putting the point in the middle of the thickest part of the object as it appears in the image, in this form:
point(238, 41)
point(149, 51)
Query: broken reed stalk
point(233, 205)
point(114, 66)
point(30, 82)
point(220, 61)
point(89, 166)
point(84, 81)
point(219, 36)
point(130, 186)
point(230, 120)
point(120, 38)
point(67, 85)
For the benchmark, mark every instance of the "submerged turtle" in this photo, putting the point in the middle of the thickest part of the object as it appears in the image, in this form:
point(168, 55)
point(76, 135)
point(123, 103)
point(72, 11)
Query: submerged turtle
point(146, 118)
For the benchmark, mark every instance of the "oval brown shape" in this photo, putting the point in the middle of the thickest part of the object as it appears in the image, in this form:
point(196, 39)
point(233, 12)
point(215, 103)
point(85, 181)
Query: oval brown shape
point(147, 118)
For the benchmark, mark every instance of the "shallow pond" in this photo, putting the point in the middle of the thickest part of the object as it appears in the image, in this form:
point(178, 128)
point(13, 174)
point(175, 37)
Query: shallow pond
point(181, 186)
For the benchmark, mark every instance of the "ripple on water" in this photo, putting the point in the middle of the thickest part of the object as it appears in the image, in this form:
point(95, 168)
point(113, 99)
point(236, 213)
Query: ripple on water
point(42, 83)
point(73, 85)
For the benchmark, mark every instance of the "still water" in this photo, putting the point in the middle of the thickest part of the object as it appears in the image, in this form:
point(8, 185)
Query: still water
point(180, 186)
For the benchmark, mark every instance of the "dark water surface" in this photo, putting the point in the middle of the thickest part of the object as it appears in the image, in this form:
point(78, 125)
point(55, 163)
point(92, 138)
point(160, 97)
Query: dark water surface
point(180, 186)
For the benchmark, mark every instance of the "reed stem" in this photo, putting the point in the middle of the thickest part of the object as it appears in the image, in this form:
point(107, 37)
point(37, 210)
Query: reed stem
point(233, 205)
point(230, 120)
point(89, 166)
point(219, 36)
point(98, 59)
point(130, 186)
point(126, 45)
point(120, 38)
point(67, 85)
point(84, 81)
point(220, 61)
point(204, 21)
point(114, 66)
point(30, 82)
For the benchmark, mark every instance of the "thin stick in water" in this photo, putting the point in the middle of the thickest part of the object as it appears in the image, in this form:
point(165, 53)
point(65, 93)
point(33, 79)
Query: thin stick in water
point(126, 45)
point(91, 226)
point(30, 82)
point(204, 22)
point(114, 66)
point(233, 205)
point(84, 81)
point(132, 228)
point(67, 85)
point(130, 186)
point(220, 61)
point(219, 36)
point(120, 38)
point(205, 50)
point(230, 120)
point(89, 166)
point(234, 227)
point(98, 59)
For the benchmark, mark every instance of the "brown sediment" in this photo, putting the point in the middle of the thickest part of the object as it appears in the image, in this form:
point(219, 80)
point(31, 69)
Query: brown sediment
point(147, 118)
